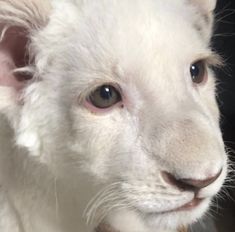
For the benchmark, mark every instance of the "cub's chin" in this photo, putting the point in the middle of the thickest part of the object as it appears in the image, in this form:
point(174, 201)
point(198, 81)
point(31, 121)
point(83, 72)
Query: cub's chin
point(136, 221)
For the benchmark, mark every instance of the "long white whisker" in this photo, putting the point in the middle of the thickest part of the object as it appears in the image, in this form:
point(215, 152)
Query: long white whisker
point(56, 198)
point(104, 196)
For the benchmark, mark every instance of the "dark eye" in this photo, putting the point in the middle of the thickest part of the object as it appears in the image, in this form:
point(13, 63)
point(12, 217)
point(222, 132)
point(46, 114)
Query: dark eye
point(198, 72)
point(104, 96)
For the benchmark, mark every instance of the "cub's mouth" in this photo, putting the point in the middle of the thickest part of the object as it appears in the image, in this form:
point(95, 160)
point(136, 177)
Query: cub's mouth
point(189, 200)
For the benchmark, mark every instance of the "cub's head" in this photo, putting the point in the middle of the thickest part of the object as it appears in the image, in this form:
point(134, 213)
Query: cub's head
point(121, 93)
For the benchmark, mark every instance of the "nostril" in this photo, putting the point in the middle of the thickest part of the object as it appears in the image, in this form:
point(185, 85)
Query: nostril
point(189, 184)
point(198, 184)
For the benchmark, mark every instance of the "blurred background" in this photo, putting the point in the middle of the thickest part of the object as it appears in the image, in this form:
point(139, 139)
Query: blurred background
point(224, 44)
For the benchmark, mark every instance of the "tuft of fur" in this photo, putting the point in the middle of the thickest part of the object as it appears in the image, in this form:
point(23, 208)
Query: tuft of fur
point(26, 13)
point(66, 166)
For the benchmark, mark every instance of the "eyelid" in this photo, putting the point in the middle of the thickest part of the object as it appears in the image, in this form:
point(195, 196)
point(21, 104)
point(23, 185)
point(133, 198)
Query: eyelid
point(100, 111)
point(83, 99)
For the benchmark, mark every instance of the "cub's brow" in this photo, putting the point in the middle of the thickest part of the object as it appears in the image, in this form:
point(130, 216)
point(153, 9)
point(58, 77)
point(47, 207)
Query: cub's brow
point(211, 58)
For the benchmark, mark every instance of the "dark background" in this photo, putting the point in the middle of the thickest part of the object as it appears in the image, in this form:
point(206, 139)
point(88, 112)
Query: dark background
point(224, 43)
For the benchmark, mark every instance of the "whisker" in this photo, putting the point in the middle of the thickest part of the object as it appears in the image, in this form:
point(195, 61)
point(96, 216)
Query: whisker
point(105, 196)
point(56, 198)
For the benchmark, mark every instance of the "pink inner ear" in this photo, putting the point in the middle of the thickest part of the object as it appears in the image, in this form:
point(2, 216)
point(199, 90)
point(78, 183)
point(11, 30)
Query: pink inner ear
point(13, 55)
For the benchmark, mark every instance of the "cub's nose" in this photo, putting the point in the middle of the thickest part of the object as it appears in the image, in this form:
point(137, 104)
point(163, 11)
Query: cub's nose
point(189, 184)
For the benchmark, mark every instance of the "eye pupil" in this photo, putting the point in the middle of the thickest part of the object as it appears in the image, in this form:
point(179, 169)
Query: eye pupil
point(194, 70)
point(105, 92)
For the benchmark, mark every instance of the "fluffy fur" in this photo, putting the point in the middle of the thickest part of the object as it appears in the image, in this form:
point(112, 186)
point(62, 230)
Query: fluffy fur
point(65, 168)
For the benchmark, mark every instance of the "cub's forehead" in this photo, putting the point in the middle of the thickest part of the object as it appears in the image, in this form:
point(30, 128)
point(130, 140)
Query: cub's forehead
point(130, 23)
point(131, 34)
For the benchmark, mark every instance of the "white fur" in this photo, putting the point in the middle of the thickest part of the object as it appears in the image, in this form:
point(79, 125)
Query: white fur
point(61, 165)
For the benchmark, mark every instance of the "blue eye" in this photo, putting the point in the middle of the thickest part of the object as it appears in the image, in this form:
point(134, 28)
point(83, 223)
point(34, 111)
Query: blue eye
point(198, 72)
point(105, 96)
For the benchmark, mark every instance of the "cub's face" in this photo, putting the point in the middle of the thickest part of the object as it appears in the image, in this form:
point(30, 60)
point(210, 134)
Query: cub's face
point(127, 96)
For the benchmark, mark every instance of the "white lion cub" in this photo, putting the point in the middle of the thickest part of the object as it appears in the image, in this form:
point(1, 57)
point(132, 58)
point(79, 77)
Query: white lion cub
point(108, 117)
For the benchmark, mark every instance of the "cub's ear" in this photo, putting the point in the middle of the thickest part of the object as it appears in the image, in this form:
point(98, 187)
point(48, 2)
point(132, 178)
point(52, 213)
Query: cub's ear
point(19, 21)
point(204, 23)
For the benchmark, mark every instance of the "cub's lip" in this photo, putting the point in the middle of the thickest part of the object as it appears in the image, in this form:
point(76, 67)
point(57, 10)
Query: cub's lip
point(190, 205)
point(187, 207)
point(194, 203)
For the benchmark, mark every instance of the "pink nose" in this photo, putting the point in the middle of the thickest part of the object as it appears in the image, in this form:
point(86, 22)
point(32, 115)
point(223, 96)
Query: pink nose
point(189, 184)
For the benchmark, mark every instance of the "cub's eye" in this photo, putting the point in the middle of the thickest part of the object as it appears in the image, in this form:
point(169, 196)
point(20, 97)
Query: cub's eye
point(198, 72)
point(104, 96)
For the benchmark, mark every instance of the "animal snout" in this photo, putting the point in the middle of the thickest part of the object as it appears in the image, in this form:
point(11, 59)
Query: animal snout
point(189, 184)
